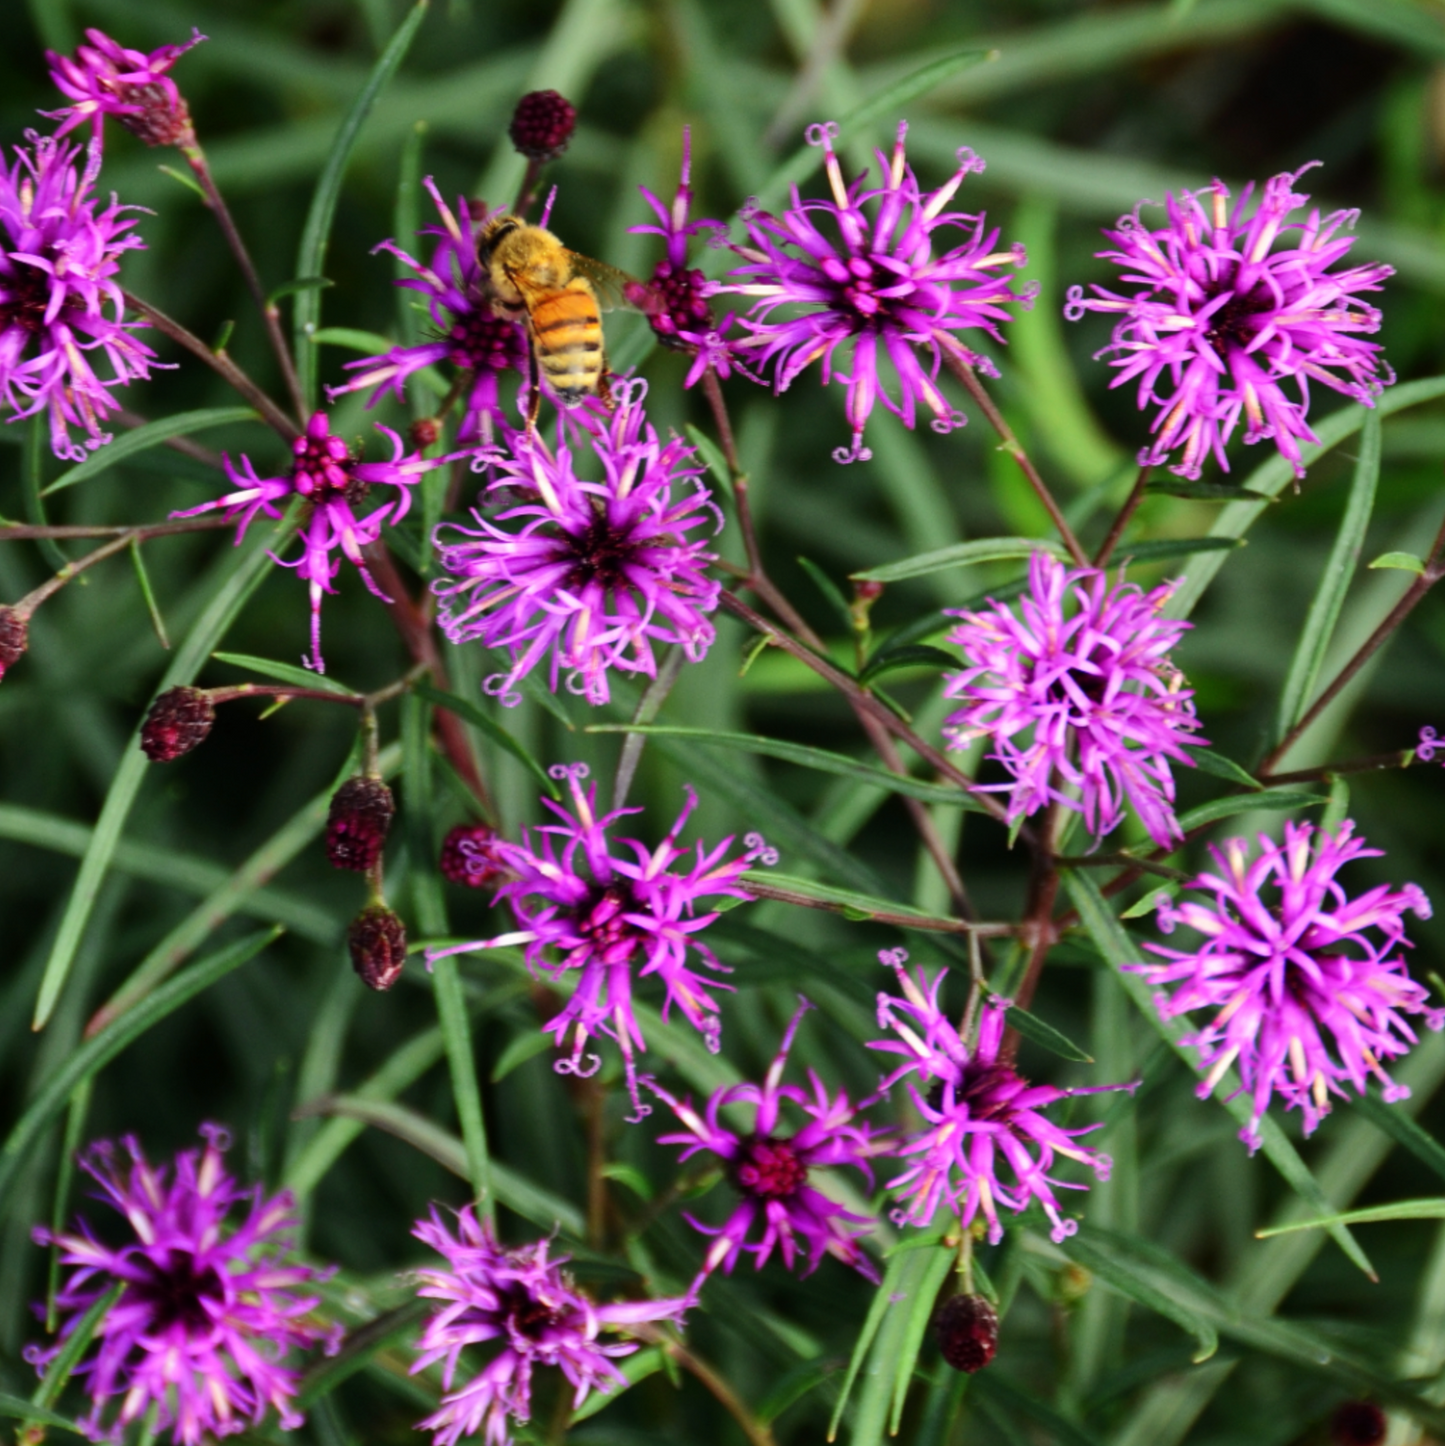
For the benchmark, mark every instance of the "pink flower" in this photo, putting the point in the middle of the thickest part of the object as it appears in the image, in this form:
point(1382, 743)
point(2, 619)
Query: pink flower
point(104, 78)
point(1304, 997)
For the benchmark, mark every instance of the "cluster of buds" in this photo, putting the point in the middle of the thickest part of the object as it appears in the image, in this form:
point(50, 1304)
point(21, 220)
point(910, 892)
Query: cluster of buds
point(966, 1327)
point(542, 125)
point(179, 720)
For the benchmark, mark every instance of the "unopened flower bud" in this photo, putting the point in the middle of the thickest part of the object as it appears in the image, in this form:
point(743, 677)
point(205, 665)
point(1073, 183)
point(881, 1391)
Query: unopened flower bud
point(178, 721)
point(1358, 1423)
point(967, 1331)
point(867, 591)
point(356, 828)
point(469, 858)
point(376, 940)
point(542, 124)
point(424, 433)
point(14, 637)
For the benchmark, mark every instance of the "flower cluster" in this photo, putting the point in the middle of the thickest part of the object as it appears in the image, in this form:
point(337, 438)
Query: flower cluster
point(980, 1115)
point(334, 487)
point(1220, 320)
point(771, 1170)
point(596, 572)
point(103, 78)
point(1305, 987)
point(1103, 709)
point(528, 1306)
point(469, 333)
point(208, 1308)
point(585, 910)
point(60, 304)
point(869, 290)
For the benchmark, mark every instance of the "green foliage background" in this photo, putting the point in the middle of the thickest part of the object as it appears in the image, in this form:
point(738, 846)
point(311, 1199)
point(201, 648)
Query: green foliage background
point(1086, 109)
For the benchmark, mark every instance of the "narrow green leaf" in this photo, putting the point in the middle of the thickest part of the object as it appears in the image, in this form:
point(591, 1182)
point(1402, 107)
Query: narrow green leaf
point(918, 1316)
point(961, 554)
point(1045, 1035)
point(95, 1053)
point(59, 1371)
point(1266, 798)
point(151, 435)
point(635, 1368)
point(371, 343)
point(1431, 1209)
point(712, 457)
point(300, 283)
point(358, 1348)
point(806, 757)
point(1337, 810)
point(311, 260)
point(1404, 561)
point(518, 1052)
point(185, 179)
point(1403, 1130)
point(286, 673)
point(1166, 547)
point(1117, 948)
point(474, 715)
point(829, 589)
point(240, 571)
point(1217, 764)
point(1150, 902)
point(997, 1390)
point(32, 469)
point(22, 1410)
point(1334, 583)
point(847, 901)
point(143, 578)
point(906, 655)
point(1203, 491)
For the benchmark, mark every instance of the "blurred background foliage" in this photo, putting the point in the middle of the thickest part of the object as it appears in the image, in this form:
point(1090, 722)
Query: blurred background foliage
point(1084, 110)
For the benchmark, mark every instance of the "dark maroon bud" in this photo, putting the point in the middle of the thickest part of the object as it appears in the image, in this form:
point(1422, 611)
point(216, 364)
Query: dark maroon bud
point(356, 827)
point(178, 721)
point(424, 433)
point(469, 858)
point(14, 638)
point(376, 940)
point(867, 592)
point(542, 124)
point(967, 1331)
point(1358, 1423)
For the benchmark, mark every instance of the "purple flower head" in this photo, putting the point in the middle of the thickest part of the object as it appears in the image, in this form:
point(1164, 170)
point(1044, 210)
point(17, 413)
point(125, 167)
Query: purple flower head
point(874, 281)
point(584, 909)
point(1298, 979)
point(1103, 708)
point(676, 298)
point(530, 1307)
point(209, 1307)
point(59, 299)
point(770, 1169)
point(590, 573)
point(1230, 320)
point(104, 78)
point(980, 1115)
point(336, 487)
point(469, 334)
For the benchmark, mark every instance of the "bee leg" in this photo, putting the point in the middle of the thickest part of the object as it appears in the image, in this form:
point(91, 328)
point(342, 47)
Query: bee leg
point(604, 386)
point(534, 406)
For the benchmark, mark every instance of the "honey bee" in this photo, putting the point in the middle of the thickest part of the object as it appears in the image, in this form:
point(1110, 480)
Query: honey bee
point(560, 296)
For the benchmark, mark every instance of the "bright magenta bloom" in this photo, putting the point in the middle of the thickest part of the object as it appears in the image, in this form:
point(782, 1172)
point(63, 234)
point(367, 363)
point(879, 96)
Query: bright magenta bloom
point(981, 1116)
point(770, 1169)
point(591, 574)
point(1090, 687)
point(1304, 986)
point(865, 287)
point(105, 79)
point(526, 1304)
point(335, 486)
point(209, 1310)
point(60, 303)
point(1220, 320)
point(586, 909)
point(469, 334)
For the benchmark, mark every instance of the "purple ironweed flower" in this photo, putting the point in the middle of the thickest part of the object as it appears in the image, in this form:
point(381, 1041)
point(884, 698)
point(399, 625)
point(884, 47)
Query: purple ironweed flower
point(1303, 997)
point(104, 78)
point(979, 1115)
point(529, 1305)
point(1230, 320)
point(770, 1170)
point(469, 334)
point(597, 570)
point(676, 299)
point(879, 285)
point(335, 486)
point(600, 912)
point(208, 1309)
point(58, 262)
point(1106, 708)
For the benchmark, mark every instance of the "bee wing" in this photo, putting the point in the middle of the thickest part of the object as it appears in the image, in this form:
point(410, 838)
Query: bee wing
point(612, 286)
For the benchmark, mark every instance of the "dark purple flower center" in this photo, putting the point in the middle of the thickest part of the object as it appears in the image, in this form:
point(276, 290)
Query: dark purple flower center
point(525, 1314)
point(1233, 325)
point(769, 1169)
point(987, 1089)
point(858, 281)
point(599, 554)
point(322, 472)
point(25, 295)
point(677, 303)
point(484, 342)
point(600, 921)
point(177, 1291)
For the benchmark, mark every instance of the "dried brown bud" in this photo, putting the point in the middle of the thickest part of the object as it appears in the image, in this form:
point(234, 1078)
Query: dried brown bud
point(356, 828)
point(14, 637)
point(468, 857)
point(1358, 1423)
point(967, 1331)
point(376, 940)
point(424, 433)
point(542, 124)
point(178, 721)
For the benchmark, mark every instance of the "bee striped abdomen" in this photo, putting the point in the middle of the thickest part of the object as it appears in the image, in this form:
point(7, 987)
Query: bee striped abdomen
point(567, 334)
